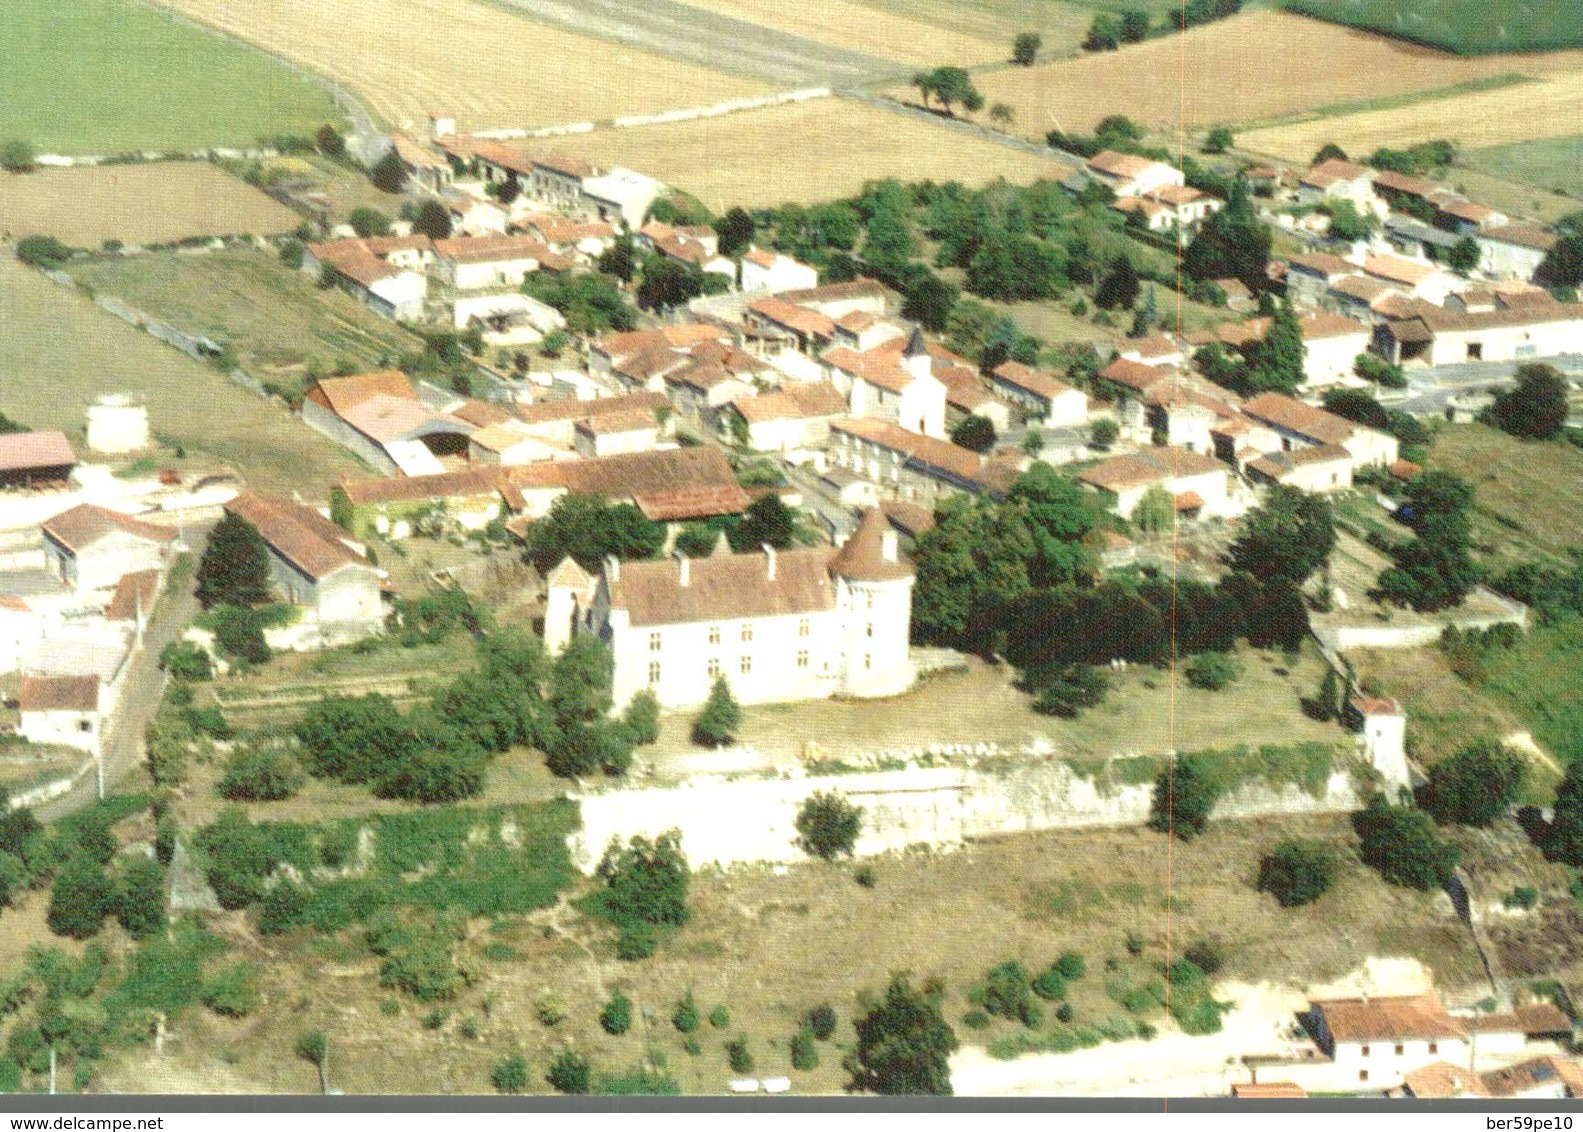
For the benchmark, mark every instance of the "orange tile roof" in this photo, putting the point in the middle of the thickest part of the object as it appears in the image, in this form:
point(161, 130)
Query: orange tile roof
point(133, 592)
point(87, 523)
point(928, 451)
point(59, 693)
point(1525, 235)
point(1135, 375)
point(544, 412)
point(1323, 263)
point(1267, 1090)
point(794, 317)
point(1120, 164)
point(1397, 269)
point(1441, 1079)
point(796, 401)
point(491, 249)
point(1327, 173)
point(1037, 382)
point(1149, 465)
point(1389, 1019)
point(1305, 420)
point(299, 534)
point(862, 556)
point(338, 394)
point(26, 451)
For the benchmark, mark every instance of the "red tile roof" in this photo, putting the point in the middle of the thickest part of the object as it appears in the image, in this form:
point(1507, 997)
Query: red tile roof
point(1267, 1090)
point(338, 394)
point(1293, 415)
point(1328, 173)
point(59, 693)
point(928, 451)
point(1525, 235)
point(724, 587)
point(132, 593)
point(1149, 465)
point(27, 451)
point(796, 401)
point(87, 523)
point(862, 557)
point(299, 534)
point(1034, 381)
point(793, 317)
point(1389, 1019)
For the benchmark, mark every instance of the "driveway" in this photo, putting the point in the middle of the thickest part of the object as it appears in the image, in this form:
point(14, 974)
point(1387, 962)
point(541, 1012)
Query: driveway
point(1428, 390)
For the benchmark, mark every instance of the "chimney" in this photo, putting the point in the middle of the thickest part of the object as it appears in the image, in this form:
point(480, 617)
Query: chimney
point(769, 558)
point(612, 567)
point(888, 548)
point(684, 564)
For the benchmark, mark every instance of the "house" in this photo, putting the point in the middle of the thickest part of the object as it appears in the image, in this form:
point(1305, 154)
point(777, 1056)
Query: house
point(908, 465)
point(1043, 399)
point(1201, 486)
point(1418, 240)
point(766, 270)
point(1415, 278)
point(480, 263)
point(316, 565)
point(555, 422)
point(668, 485)
point(895, 382)
point(426, 169)
point(1337, 180)
point(1171, 206)
point(478, 216)
point(1512, 328)
point(578, 240)
point(777, 625)
point(621, 196)
point(386, 273)
point(1239, 298)
point(792, 419)
point(1303, 426)
point(1331, 343)
point(1153, 350)
point(63, 710)
point(35, 459)
point(391, 508)
point(1316, 469)
point(90, 547)
point(557, 180)
point(808, 331)
point(1128, 175)
point(1309, 277)
point(1514, 251)
point(380, 417)
point(714, 375)
point(697, 247)
point(611, 434)
point(1363, 299)
point(606, 353)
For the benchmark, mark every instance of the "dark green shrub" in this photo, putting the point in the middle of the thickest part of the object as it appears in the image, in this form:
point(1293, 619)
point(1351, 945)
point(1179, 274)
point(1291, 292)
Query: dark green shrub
point(569, 1074)
point(1297, 872)
point(1050, 986)
point(828, 825)
point(140, 898)
point(312, 1047)
point(822, 1021)
point(720, 1017)
point(1071, 965)
point(232, 991)
point(737, 1053)
point(685, 1017)
point(1206, 955)
point(285, 906)
point(510, 1075)
point(1030, 1014)
point(637, 941)
point(80, 899)
point(804, 1054)
point(261, 774)
point(1212, 671)
point(616, 1017)
point(1064, 1012)
point(976, 1019)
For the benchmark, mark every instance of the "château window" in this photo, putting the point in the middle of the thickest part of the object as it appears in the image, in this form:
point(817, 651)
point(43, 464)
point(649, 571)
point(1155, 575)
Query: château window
point(871, 628)
point(802, 658)
point(654, 642)
point(747, 665)
point(868, 660)
point(747, 632)
point(803, 627)
point(714, 667)
point(714, 634)
point(654, 672)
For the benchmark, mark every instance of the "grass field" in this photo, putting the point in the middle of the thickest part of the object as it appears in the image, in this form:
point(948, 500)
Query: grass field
point(1468, 27)
point(489, 68)
point(804, 152)
point(1554, 165)
point(872, 28)
point(769, 947)
point(275, 320)
point(1546, 107)
point(138, 204)
point(58, 351)
point(1528, 495)
point(1510, 196)
point(1252, 67)
point(1062, 23)
point(137, 80)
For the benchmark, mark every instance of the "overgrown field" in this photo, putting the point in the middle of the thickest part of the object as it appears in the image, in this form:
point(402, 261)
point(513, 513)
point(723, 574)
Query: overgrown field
point(276, 321)
point(1545, 107)
point(134, 79)
point(804, 152)
point(138, 204)
point(58, 352)
point(486, 66)
point(1252, 67)
point(1528, 495)
point(1468, 27)
point(1553, 165)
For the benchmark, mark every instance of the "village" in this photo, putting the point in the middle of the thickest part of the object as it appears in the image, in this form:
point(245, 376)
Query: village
point(769, 550)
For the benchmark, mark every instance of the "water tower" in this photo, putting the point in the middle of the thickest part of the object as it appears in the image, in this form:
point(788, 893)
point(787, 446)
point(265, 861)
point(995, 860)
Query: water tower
point(117, 423)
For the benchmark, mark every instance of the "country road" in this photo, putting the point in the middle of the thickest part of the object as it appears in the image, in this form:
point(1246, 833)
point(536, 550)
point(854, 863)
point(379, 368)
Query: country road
point(706, 39)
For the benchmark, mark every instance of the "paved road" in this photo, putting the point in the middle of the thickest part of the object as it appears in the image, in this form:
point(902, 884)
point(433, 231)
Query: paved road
point(1428, 390)
point(705, 39)
point(140, 696)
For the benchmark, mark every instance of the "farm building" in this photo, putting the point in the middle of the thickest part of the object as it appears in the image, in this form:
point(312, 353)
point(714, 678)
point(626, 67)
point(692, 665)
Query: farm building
point(91, 547)
point(788, 420)
point(779, 626)
point(1200, 486)
point(35, 459)
point(1044, 399)
point(316, 565)
point(1331, 343)
point(380, 417)
point(1302, 426)
point(1494, 333)
point(908, 465)
point(767, 270)
point(390, 508)
point(63, 710)
point(1514, 251)
point(1128, 175)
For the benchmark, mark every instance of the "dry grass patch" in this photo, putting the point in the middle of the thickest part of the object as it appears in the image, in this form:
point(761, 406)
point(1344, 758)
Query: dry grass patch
point(853, 24)
point(488, 67)
point(1528, 495)
point(1443, 713)
point(138, 204)
point(804, 152)
point(1252, 67)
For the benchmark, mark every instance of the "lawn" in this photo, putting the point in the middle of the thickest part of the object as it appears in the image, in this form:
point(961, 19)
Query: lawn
point(1468, 27)
point(134, 79)
point(58, 352)
point(1555, 164)
point(276, 321)
point(138, 204)
point(1528, 500)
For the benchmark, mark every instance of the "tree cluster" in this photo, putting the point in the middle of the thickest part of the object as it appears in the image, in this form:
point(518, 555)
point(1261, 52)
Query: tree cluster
point(1435, 570)
point(949, 86)
point(645, 890)
point(1536, 409)
point(1402, 844)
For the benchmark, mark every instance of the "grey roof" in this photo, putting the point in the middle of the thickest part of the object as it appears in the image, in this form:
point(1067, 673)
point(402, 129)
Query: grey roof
point(916, 346)
point(1424, 233)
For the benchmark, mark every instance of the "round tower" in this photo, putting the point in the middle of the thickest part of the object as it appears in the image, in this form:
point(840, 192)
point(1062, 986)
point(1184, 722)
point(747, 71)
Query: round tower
point(874, 583)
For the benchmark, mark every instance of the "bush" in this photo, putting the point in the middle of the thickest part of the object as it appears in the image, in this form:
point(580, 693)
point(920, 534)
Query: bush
point(1103, 433)
point(1066, 690)
point(1030, 1014)
point(285, 906)
point(1297, 872)
point(569, 1074)
point(1050, 986)
point(976, 1019)
point(717, 724)
point(232, 991)
point(1523, 897)
point(804, 1054)
point(642, 718)
point(140, 901)
point(1071, 965)
point(186, 661)
point(865, 876)
point(828, 825)
point(1206, 955)
point(616, 1017)
point(738, 1055)
point(720, 1017)
point(261, 774)
point(42, 251)
point(312, 1047)
point(510, 1075)
point(1212, 671)
point(1401, 842)
point(1475, 785)
point(1005, 989)
point(822, 1021)
point(1184, 796)
point(685, 1017)
point(80, 899)
point(637, 941)
point(1064, 1012)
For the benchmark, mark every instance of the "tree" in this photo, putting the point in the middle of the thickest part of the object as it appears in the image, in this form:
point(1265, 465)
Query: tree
point(619, 259)
point(81, 898)
point(642, 718)
point(1563, 264)
point(140, 898)
point(260, 773)
point(646, 881)
point(1537, 408)
point(667, 283)
point(589, 528)
point(569, 1074)
point(1401, 843)
point(1118, 290)
point(903, 1044)
point(1002, 114)
point(1298, 872)
point(330, 142)
point(1435, 570)
point(17, 156)
point(1463, 258)
point(368, 222)
point(1346, 223)
point(735, 230)
point(766, 521)
point(975, 433)
point(1562, 840)
point(616, 1017)
point(389, 174)
point(1219, 139)
point(433, 220)
point(1155, 512)
point(929, 301)
point(1275, 362)
point(510, 1075)
point(42, 251)
point(1287, 537)
point(1104, 34)
point(822, 1021)
point(1212, 671)
point(1330, 151)
point(1184, 796)
point(1066, 690)
point(1134, 26)
point(1476, 785)
point(235, 565)
point(1232, 243)
point(1103, 433)
point(1025, 48)
point(949, 85)
point(720, 718)
point(828, 825)
point(355, 739)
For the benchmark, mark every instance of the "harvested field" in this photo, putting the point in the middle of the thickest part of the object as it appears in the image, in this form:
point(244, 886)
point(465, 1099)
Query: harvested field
point(138, 204)
point(1546, 107)
point(275, 321)
point(1252, 67)
point(137, 80)
point(804, 152)
point(488, 67)
point(875, 31)
point(58, 351)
